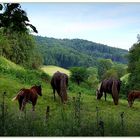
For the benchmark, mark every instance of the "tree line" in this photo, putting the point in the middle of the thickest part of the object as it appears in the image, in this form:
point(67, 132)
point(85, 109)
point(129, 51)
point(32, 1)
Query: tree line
point(77, 52)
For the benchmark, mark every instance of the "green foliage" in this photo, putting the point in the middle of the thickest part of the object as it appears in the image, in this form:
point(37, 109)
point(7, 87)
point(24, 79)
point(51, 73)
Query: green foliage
point(103, 66)
point(78, 74)
point(134, 67)
point(15, 42)
point(20, 48)
point(110, 73)
point(124, 86)
point(120, 69)
point(117, 71)
point(92, 77)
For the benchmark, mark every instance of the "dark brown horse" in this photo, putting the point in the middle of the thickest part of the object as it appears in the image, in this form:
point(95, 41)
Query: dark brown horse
point(59, 82)
point(134, 94)
point(111, 86)
point(28, 95)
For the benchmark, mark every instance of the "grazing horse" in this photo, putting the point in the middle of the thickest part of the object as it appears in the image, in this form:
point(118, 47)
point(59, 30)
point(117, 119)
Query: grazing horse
point(59, 82)
point(111, 86)
point(28, 95)
point(134, 94)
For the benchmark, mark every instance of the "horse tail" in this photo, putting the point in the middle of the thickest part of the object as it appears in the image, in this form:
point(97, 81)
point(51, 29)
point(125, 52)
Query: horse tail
point(115, 93)
point(17, 97)
point(63, 88)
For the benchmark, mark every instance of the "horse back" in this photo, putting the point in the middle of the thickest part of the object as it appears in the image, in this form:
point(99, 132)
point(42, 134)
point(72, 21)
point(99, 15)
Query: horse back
point(28, 94)
point(56, 79)
point(106, 85)
point(59, 82)
point(133, 94)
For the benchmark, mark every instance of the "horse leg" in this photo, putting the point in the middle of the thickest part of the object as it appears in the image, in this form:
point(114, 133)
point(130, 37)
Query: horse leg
point(23, 104)
point(115, 100)
point(33, 104)
point(33, 108)
point(20, 102)
point(62, 99)
point(131, 103)
point(105, 96)
point(54, 94)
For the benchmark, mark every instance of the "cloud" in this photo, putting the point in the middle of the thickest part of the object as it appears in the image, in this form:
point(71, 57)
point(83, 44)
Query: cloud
point(108, 23)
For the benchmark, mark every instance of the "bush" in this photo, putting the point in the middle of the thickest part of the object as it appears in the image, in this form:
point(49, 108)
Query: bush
point(78, 74)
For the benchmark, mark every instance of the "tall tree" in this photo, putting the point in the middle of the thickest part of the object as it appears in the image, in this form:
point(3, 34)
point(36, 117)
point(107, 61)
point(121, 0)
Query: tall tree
point(134, 66)
point(92, 79)
point(103, 66)
point(14, 18)
point(78, 74)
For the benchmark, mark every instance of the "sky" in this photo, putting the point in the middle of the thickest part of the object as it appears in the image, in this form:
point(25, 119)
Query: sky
point(112, 24)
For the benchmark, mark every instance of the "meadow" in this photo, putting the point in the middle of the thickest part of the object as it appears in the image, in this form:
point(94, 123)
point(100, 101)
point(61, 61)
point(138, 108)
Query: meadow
point(83, 115)
point(50, 70)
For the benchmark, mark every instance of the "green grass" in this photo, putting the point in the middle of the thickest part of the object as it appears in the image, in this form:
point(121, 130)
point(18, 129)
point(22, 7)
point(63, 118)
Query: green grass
point(62, 120)
point(52, 69)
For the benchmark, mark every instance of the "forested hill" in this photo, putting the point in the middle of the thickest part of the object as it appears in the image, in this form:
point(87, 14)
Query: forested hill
point(77, 52)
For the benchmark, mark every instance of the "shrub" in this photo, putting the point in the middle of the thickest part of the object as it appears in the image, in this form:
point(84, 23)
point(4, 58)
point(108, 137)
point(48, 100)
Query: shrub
point(78, 74)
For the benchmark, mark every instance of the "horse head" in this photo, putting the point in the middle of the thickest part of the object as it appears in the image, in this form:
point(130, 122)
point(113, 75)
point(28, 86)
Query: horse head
point(99, 94)
point(130, 102)
point(38, 89)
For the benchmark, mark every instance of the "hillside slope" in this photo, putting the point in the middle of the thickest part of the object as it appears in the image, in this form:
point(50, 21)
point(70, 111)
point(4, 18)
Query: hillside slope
point(77, 52)
point(6, 64)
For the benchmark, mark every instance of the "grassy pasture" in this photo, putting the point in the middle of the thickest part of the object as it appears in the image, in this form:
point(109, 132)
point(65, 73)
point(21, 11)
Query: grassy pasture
point(62, 121)
point(84, 116)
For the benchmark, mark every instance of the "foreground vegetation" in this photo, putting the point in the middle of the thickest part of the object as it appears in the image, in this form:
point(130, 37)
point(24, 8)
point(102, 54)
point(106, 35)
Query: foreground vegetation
point(87, 117)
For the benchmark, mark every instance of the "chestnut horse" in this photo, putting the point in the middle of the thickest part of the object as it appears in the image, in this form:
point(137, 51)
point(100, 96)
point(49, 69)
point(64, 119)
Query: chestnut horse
point(111, 86)
point(59, 82)
point(28, 95)
point(134, 94)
